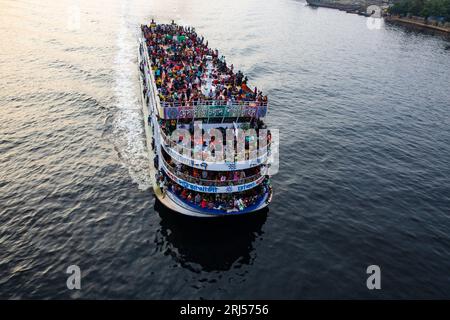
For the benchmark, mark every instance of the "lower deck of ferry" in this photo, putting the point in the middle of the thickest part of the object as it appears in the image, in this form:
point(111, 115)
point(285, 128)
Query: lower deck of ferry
point(196, 203)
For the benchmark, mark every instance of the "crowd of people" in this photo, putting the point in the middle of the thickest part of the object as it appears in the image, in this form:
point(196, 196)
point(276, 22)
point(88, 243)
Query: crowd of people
point(228, 202)
point(215, 178)
point(201, 145)
point(170, 125)
point(188, 73)
point(182, 61)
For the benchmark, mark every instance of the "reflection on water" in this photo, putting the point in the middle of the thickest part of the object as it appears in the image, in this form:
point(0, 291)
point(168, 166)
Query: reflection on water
point(209, 244)
point(364, 156)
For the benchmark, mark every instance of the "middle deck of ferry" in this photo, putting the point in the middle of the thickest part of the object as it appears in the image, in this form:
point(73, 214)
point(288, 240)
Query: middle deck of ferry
point(190, 88)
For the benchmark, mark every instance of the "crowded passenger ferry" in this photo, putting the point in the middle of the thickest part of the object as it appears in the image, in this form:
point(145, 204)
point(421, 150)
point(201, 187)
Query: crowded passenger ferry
point(204, 126)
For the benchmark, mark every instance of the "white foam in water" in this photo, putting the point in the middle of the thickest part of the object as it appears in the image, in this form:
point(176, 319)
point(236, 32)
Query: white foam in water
point(128, 130)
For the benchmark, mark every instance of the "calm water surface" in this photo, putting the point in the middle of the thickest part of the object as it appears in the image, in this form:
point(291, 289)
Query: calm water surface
point(364, 178)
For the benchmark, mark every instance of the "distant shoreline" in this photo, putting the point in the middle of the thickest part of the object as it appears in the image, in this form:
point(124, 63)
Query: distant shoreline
point(348, 7)
point(361, 10)
point(407, 21)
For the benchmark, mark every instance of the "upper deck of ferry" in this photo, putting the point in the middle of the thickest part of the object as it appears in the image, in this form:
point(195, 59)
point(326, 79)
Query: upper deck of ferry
point(192, 80)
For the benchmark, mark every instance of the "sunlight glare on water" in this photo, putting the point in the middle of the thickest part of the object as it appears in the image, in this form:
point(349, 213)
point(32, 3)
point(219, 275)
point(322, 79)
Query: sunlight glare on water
point(364, 156)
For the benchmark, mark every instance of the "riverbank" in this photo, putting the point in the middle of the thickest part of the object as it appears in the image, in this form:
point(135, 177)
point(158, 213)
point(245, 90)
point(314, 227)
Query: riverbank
point(339, 5)
point(360, 8)
point(416, 23)
point(348, 6)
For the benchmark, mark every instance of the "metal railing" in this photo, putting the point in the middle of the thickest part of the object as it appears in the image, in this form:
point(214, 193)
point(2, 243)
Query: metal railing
point(214, 103)
point(216, 183)
point(152, 85)
point(172, 144)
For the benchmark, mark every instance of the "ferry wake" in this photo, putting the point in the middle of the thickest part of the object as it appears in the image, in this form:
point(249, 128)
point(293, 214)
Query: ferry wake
point(204, 126)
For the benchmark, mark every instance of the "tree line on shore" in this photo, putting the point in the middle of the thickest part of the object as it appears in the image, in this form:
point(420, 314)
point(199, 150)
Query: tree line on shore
point(422, 8)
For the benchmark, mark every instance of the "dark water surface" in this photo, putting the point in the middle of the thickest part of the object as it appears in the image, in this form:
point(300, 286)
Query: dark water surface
point(365, 157)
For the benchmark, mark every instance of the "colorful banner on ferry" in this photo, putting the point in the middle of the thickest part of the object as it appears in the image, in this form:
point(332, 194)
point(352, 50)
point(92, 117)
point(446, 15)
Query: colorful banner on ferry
point(212, 189)
point(228, 111)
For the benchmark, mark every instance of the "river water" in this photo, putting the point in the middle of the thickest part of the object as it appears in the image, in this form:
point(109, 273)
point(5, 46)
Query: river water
point(364, 174)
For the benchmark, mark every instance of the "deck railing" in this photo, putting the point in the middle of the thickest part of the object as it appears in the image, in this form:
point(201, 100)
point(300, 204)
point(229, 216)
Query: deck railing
point(214, 103)
point(172, 144)
point(216, 183)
